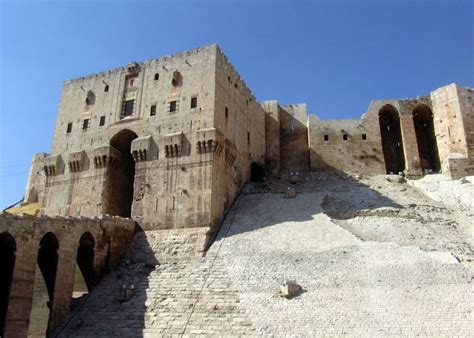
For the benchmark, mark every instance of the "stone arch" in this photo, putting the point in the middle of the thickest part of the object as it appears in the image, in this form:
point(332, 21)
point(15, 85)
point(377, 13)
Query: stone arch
point(85, 258)
point(392, 143)
point(48, 260)
point(120, 179)
point(425, 138)
point(7, 265)
point(45, 280)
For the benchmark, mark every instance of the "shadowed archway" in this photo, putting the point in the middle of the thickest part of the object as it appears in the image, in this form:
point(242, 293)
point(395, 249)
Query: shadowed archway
point(7, 264)
point(392, 143)
point(119, 190)
point(85, 259)
point(425, 138)
point(45, 278)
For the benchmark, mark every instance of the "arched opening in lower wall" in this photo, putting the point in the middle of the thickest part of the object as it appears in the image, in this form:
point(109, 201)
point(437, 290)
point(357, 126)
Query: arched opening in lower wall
point(7, 265)
point(45, 277)
point(120, 178)
point(426, 139)
point(85, 258)
point(84, 279)
point(392, 144)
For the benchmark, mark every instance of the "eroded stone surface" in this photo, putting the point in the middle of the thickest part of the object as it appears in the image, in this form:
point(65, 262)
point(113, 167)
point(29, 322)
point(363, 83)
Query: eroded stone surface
point(355, 281)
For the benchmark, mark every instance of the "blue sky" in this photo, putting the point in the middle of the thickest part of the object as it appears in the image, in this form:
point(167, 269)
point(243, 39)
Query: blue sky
point(334, 55)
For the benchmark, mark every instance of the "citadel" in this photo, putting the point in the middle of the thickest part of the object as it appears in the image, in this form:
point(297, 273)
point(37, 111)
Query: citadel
point(145, 172)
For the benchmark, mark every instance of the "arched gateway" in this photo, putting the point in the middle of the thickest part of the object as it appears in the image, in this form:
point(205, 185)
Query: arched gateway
point(392, 144)
point(120, 178)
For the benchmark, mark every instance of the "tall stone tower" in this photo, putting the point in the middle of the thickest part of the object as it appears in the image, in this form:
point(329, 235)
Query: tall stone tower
point(168, 142)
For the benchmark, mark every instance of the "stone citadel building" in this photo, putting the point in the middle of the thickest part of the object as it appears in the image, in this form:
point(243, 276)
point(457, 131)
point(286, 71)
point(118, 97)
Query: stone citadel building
point(170, 142)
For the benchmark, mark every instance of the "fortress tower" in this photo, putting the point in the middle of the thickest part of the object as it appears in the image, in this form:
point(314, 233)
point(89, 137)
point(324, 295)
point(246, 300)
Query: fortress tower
point(168, 142)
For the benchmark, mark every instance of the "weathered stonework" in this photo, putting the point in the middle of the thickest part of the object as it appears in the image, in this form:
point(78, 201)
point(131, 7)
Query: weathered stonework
point(169, 142)
point(49, 246)
point(167, 145)
point(192, 133)
point(425, 146)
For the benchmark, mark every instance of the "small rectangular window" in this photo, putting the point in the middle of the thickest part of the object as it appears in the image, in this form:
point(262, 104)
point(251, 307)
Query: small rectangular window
point(364, 137)
point(194, 102)
point(326, 138)
point(128, 108)
point(102, 121)
point(85, 124)
point(172, 106)
point(344, 137)
point(69, 128)
point(153, 110)
point(248, 137)
point(226, 112)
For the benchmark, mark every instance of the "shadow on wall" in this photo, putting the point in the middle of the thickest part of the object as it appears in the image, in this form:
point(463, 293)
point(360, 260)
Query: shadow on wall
point(116, 306)
point(332, 192)
point(294, 145)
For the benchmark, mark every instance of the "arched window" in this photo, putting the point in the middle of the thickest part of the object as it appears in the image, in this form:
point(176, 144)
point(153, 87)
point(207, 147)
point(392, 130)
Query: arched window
point(90, 98)
point(177, 79)
point(157, 76)
point(106, 88)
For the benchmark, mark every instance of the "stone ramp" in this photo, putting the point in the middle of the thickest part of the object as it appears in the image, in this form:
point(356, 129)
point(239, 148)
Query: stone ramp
point(372, 279)
point(350, 285)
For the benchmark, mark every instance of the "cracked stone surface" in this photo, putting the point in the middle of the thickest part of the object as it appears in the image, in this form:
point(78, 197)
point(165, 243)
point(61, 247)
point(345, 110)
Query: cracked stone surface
point(374, 256)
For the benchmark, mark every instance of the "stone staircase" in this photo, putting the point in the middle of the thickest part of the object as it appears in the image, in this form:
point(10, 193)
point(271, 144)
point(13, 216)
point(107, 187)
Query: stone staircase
point(174, 290)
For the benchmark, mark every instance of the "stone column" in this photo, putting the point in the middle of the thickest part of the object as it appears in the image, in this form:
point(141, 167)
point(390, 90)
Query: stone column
point(21, 292)
point(410, 146)
point(63, 287)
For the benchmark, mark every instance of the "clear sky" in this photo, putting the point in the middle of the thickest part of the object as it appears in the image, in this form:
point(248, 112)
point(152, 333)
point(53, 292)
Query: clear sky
point(334, 55)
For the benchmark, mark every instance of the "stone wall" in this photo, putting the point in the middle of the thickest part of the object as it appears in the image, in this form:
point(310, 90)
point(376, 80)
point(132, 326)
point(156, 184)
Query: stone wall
point(294, 150)
point(453, 108)
point(75, 179)
point(357, 145)
point(330, 151)
point(193, 132)
point(193, 128)
point(286, 133)
point(240, 122)
point(272, 136)
point(111, 237)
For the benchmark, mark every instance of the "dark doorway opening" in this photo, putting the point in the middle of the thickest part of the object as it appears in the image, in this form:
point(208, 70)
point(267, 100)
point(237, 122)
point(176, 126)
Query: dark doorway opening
point(120, 179)
point(392, 144)
point(426, 139)
point(7, 264)
point(257, 172)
